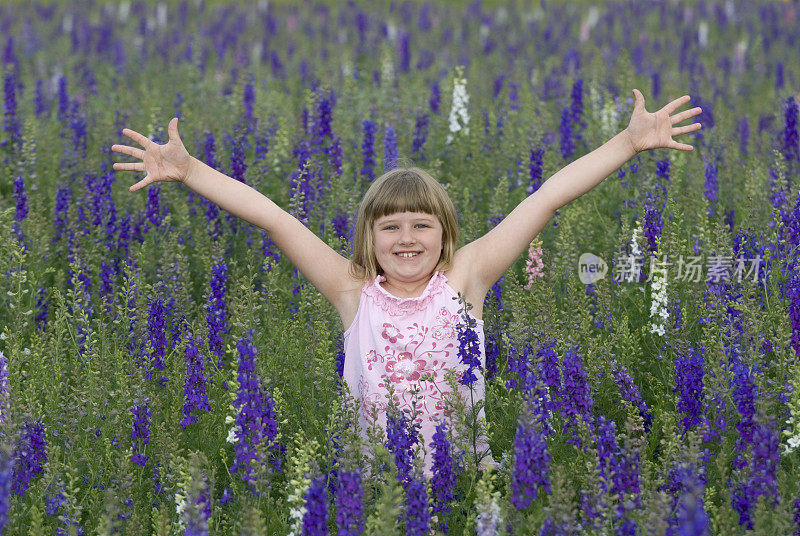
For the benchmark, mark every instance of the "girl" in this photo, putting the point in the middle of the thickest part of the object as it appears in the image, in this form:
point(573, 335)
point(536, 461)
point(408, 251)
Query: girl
point(396, 297)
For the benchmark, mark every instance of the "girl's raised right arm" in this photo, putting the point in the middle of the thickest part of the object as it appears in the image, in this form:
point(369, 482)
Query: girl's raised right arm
point(326, 269)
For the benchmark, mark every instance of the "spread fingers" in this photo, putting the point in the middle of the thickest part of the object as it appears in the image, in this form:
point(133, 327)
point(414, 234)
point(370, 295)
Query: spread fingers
point(131, 151)
point(129, 166)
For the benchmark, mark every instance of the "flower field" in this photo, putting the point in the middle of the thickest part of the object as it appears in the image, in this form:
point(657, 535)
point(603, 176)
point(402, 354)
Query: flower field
point(165, 370)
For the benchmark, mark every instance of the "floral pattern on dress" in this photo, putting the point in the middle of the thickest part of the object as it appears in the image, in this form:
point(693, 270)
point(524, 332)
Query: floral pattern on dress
point(445, 327)
point(417, 351)
point(391, 333)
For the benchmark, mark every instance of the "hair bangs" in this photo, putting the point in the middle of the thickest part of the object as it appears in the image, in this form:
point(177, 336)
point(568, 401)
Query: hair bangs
point(406, 193)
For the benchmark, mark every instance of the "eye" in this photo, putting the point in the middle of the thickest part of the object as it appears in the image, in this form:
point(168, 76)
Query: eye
point(422, 225)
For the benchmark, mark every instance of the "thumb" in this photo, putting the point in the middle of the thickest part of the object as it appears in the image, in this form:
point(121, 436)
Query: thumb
point(638, 100)
point(172, 130)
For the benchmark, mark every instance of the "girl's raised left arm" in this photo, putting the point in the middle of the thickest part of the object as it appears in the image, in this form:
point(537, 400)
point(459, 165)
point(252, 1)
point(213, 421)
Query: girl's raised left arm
point(491, 255)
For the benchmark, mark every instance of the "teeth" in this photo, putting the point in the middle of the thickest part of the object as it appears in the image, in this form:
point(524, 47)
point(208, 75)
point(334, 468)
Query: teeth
point(407, 255)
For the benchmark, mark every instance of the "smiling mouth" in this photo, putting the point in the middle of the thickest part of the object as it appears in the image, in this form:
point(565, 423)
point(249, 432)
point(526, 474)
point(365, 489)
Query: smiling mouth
point(408, 255)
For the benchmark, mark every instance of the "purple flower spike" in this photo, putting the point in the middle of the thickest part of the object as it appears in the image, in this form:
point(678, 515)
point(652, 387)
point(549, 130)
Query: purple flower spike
point(531, 463)
point(11, 123)
point(194, 388)
point(576, 396)
point(443, 481)
point(791, 149)
point(315, 520)
point(418, 517)
point(420, 136)
point(21, 199)
point(140, 434)
point(216, 311)
point(368, 149)
point(157, 335)
point(349, 505)
point(256, 424)
point(389, 149)
point(4, 392)
point(567, 137)
point(689, 386)
point(469, 351)
point(29, 456)
point(535, 169)
point(401, 436)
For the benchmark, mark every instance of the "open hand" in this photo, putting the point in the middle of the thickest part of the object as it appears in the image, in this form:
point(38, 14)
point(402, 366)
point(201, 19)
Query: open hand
point(653, 130)
point(168, 162)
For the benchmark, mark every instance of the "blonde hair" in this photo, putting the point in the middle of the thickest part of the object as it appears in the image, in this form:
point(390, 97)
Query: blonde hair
point(401, 190)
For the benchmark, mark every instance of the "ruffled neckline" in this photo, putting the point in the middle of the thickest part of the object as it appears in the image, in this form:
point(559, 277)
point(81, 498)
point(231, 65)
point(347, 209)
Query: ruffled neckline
point(397, 306)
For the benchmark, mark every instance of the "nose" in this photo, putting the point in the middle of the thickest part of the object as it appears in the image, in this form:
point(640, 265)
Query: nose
point(406, 237)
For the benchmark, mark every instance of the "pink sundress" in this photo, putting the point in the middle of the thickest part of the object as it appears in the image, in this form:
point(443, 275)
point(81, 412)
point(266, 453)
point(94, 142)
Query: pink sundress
point(403, 339)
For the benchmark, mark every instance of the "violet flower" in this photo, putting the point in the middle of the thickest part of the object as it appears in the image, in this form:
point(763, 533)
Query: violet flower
point(323, 117)
point(39, 105)
point(156, 331)
point(692, 519)
point(711, 187)
point(420, 136)
point(789, 145)
point(435, 98)
point(744, 135)
point(689, 386)
point(349, 504)
point(238, 164)
point(535, 168)
point(6, 474)
point(21, 199)
point(550, 371)
point(766, 457)
point(567, 136)
point(29, 456)
point(11, 123)
point(576, 108)
point(389, 149)
point(652, 226)
point(368, 150)
point(5, 395)
point(315, 520)
point(608, 452)
point(335, 155)
point(256, 425)
point(417, 514)
point(194, 388)
point(575, 396)
point(216, 311)
point(153, 210)
point(443, 481)
point(745, 394)
point(63, 99)
point(402, 434)
point(140, 433)
point(531, 462)
point(61, 211)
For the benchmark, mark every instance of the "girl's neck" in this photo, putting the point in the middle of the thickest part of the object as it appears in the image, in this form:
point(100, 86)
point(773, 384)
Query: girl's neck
point(400, 289)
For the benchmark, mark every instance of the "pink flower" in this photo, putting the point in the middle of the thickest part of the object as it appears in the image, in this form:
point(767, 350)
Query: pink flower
point(391, 333)
point(534, 265)
point(405, 368)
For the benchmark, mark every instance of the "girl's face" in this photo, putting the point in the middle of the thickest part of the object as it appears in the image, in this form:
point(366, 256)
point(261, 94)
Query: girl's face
point(408, 244)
